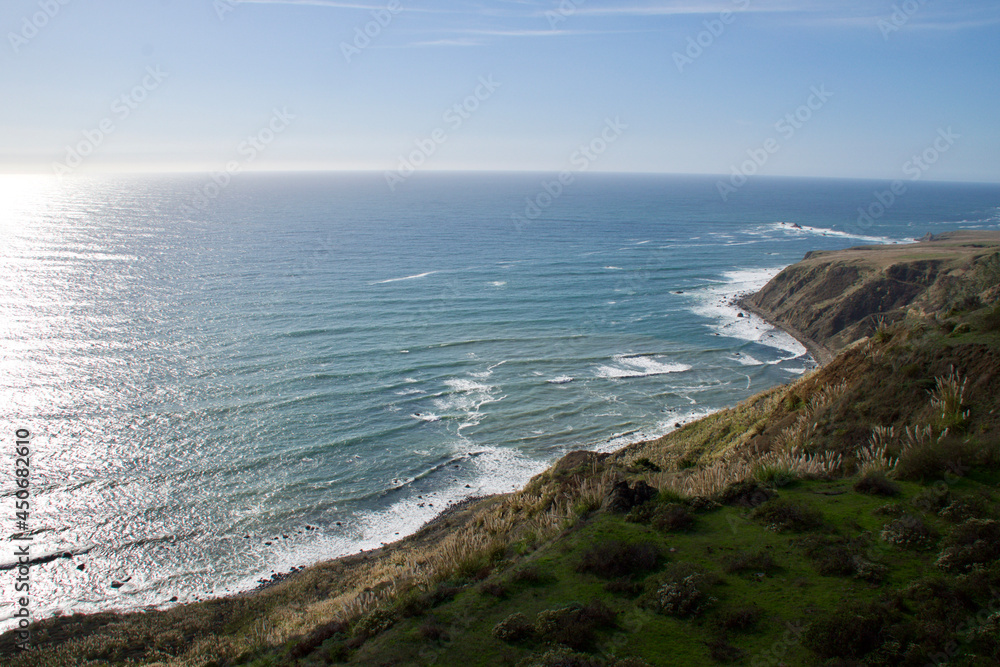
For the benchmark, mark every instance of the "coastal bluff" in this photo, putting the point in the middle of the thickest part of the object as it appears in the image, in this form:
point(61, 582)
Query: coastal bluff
point(830, 300)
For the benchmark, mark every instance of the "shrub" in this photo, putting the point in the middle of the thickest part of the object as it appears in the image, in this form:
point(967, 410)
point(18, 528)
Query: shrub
point(575, 625)
point(669, 518)
point(876, 484)
point(722, 651)
point(682, 591)
point(432, 631)
point(780, 515)
point(962, 509)
point(493, 589)
point(624, 586)
point(417, 603)
point(747, 493)
point(645, 464)
point(927, 457)
point(619, 559)
point(851, 631)
point(374, 622)
point(560, 657)
point(514, 628)
point(667, 496)
point(773, 474)
point(319, 635)
point(739, 619)
point(909, 532)
point(973, 541)
point(529, 575)
point(746, 561)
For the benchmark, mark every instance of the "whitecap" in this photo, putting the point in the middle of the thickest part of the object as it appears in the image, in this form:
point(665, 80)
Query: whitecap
point(638, 366)
point(413, 277)
point(562, 379)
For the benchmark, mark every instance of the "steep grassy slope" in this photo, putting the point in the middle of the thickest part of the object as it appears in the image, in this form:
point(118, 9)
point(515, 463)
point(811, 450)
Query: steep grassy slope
point(852, 518)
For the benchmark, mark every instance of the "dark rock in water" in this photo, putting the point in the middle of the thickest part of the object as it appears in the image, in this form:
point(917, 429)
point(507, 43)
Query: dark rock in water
point(117, 584)
point(740, 315)
point(81, 566)
point(173, 599)
point(623, 497)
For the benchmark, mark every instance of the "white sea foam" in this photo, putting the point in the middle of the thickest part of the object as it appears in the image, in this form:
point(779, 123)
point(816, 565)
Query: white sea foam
point(638, 366)
point(413, 277)
point(746, 360)
point(716, 303)
point(803, 230)
point(486, 471)
point(562, 379)
point(426, 416)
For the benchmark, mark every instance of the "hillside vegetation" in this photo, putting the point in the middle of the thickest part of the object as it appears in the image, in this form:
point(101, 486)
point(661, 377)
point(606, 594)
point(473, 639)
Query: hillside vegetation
point(851, 518)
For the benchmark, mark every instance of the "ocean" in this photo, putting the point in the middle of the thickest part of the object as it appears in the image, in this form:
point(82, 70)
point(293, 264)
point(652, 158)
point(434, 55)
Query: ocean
point(224, 382)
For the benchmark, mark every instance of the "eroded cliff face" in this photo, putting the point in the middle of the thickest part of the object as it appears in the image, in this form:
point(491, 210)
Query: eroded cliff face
point(832, 299)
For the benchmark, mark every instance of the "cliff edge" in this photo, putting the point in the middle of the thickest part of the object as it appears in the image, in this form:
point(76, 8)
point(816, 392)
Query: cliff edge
point(830, 300)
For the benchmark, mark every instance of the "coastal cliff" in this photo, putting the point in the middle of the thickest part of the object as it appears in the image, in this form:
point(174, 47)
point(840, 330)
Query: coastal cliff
point(830, 300)
point(850, 518)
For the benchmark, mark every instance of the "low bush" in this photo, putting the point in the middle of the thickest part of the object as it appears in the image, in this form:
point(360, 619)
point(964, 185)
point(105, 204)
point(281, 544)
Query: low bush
point(514, 628)
point(850, 632)
point(493, 589)
point(780, 515)
point(529, 575)
point(575, 625)
point(561, 657)
point(374, 622)
point(974, 541)
point(417, 602)
point(747, 561)
point(433, 631)
point(961, 509)
point(681, 592)
point(739, 619)
point(932, 458)
point(624, 586)
point(614, 559)
point(312, 641)
point(747, 493)
point(909, 532)
point(876, 484)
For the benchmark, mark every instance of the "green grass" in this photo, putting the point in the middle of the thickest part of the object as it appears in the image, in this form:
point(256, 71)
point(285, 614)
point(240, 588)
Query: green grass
point(791, 594)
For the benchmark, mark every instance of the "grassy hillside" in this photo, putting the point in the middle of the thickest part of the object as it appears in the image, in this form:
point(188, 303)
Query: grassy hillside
point(852, 518)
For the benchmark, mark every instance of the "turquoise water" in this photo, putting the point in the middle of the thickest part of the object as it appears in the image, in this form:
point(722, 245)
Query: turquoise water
point(205, 381)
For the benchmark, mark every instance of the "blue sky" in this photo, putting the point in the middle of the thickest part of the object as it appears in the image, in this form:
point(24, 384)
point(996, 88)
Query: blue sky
point(200, 79)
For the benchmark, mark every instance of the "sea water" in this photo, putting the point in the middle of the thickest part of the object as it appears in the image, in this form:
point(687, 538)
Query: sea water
point(226, 382)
